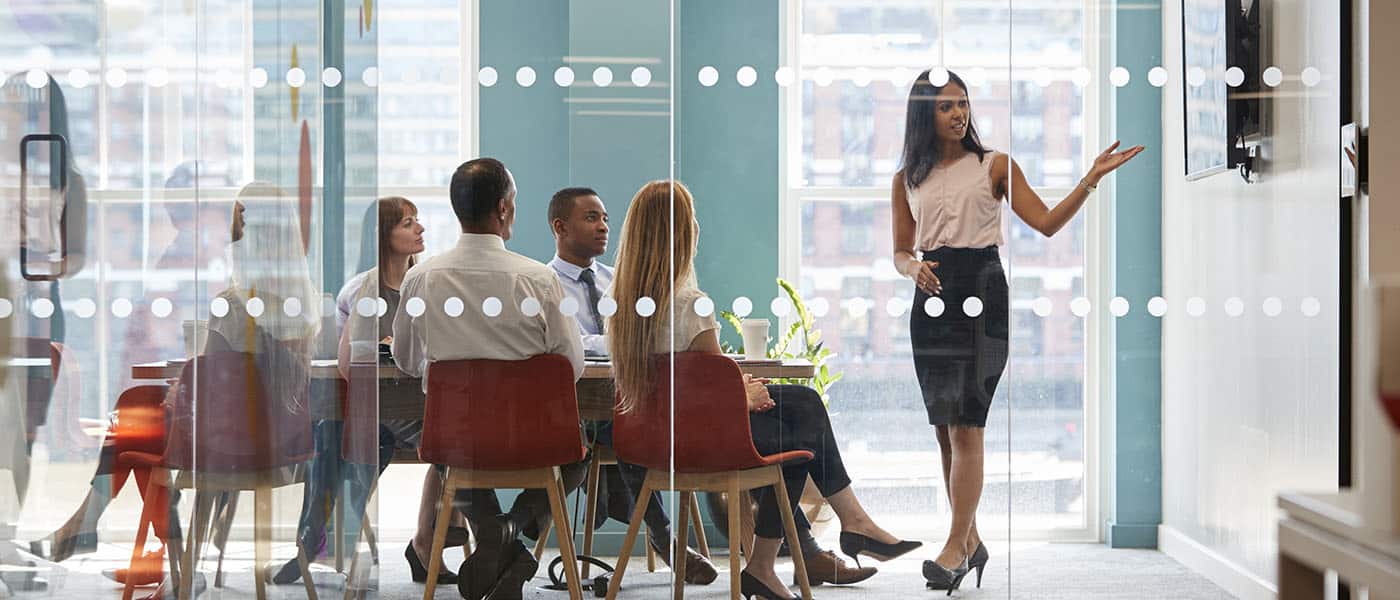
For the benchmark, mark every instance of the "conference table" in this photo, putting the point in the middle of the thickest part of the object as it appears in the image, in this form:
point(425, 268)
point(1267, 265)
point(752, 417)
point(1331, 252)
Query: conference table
point(401, 394)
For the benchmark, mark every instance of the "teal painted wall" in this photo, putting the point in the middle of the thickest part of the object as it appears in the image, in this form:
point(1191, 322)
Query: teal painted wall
point(1136, 506)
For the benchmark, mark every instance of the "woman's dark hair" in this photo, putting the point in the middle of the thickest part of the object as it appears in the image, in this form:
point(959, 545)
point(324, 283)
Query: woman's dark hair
point(922, 149)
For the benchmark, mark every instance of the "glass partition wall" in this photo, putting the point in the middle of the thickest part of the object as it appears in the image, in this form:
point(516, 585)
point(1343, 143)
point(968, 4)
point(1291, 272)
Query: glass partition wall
point(250, 253)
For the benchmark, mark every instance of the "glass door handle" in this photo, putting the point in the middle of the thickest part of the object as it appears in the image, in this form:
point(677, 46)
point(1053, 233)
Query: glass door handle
point(62, 170)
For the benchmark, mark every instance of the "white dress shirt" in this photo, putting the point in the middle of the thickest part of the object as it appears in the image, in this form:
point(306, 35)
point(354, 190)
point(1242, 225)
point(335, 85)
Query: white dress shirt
point(476, 275)
point(595, 341)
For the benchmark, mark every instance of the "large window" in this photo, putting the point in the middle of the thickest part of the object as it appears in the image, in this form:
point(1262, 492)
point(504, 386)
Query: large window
point(1029, 91)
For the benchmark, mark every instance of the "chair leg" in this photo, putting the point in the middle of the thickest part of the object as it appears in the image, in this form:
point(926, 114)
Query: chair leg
point(735, 537)
point(449, 486)
point(790, 527)
point(262, 537)
point(678, 552)
point(305, 565)
point(543, 540)
point(203, 515)
point(651, 557)
point(699, 526)
point(746, 521)
point(564, 534)
point(225, 520)
point(153, 497)
point(590, 510)
point(635, 523)
point(202, 505)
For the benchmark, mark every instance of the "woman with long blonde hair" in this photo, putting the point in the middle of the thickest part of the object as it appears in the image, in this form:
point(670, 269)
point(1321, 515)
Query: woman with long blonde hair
point(657, 260)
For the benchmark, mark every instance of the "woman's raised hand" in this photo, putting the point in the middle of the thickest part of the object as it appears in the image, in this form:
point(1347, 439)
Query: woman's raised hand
point(1108, 161)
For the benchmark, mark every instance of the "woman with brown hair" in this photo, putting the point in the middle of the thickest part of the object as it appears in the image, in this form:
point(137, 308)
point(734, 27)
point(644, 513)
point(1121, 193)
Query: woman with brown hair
point(656, 261)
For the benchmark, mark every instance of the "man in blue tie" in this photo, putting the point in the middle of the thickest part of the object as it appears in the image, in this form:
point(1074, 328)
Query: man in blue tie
point(580, 225)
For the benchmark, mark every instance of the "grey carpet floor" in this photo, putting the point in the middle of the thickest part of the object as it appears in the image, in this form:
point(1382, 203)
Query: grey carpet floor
point(1024, 570)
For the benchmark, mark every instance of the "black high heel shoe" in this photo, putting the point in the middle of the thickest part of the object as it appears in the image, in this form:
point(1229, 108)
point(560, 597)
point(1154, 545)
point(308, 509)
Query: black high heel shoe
point(420, 571)
point(978, 561)
point(940, 577)
point(855, 544)
point(750, 586)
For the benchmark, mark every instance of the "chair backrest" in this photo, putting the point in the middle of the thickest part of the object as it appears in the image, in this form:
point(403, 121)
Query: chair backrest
point(359, 442)
point(225, 420)
point(496, 415)
point(710, 414)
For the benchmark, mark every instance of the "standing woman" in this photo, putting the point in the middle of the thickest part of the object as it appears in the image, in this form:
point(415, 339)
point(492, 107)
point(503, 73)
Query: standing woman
point(947, 211)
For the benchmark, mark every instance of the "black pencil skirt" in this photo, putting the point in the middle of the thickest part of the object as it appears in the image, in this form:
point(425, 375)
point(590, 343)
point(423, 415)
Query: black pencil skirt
point(958, 358)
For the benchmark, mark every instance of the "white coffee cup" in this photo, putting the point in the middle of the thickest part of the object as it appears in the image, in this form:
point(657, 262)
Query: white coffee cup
point(196, 332)
point(755, 332)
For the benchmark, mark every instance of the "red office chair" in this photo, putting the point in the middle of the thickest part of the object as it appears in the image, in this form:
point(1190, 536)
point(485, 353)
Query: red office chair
point(360, 446)
point(224, 434)
point(712, 451)
point(503, 424)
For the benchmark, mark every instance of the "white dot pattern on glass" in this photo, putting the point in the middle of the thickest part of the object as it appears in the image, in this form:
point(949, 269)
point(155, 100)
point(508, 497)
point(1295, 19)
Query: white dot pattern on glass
point(742, 306)
point(820, 307)
point(746, 76)
point(1195, 306)
point(704, 306)
point(292, 307)
point(1080, 307)
point(79, 78)
point(1234, 77)
point(223, 78)
point(365, 307)
point(453, 307)
point(491, 306)
point(1157, 76)
point(1157, 306)
point(641, 77)
point(607, 307)
point(783, 76)
point(563, 77)
point(1311, 76)
point(1273, 76)
point(415, 307)
point(157, 77)
point(331, 77)
point(861, 77)
point(257, 77)
point(85, 308)
point(568, 307)
point(896, 306)
point(525, 77)
point(42, 308)
point(976, 77)
point(36, 78)
point(370, 76)
point(530, 307)
point(645, 307)
point(1195, 77)
point(901, 76)
point(934, 306)
point(1081, 77)
point(972, 306)
point(116, 77)
point(381, 307)
point(161, 308)
point(1311, 307)
point(1234, 307)
point(1042, 307)
point(487, 76)
point(1118, 306)
point(121, 308)
point(708, 76)
point(823, 76)
point(255, 307)
point(296, 77)
point(218, 307)
point(1273, 307)
point(6, 308)
point(938, 76)
point(780, 306)
point(1119, 77)
point(1043, 77)
point(857, 307)
point(602, 77)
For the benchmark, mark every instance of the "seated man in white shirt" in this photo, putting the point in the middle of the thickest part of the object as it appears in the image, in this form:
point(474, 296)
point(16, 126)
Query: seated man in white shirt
point(580, 224)
point(479, 267)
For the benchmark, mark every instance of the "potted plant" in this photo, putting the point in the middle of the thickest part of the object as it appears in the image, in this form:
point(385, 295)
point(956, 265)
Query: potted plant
point(811, 347)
